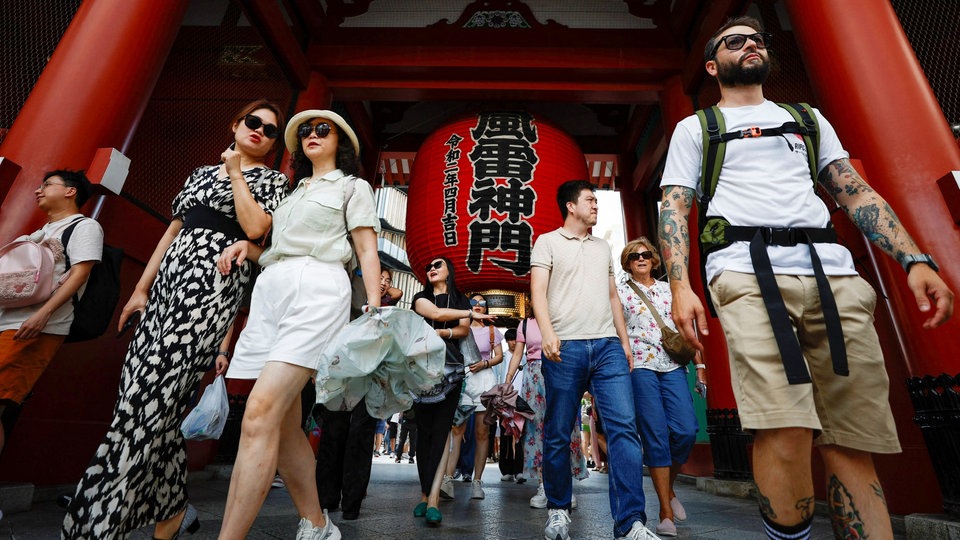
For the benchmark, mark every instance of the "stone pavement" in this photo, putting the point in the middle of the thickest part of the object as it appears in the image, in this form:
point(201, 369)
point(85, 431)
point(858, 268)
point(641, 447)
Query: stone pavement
point(393, 492)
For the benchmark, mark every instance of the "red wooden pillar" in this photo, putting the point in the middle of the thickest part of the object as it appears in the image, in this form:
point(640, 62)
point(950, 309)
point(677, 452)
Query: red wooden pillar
point(871, 86)
point(887, 116)
point(727, 439)
point(91, 95)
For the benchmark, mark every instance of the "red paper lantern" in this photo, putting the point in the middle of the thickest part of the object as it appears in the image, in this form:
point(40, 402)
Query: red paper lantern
point(483, 187)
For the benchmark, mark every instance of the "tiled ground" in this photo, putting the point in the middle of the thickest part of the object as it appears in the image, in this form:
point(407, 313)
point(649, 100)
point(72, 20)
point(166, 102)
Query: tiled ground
point(504, 514)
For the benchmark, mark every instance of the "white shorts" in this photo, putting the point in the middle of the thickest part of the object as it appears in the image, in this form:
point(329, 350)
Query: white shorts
point(478, 383)
point(298, 306)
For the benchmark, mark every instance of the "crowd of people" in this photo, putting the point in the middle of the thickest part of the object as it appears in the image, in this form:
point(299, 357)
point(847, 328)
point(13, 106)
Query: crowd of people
point(589, 362)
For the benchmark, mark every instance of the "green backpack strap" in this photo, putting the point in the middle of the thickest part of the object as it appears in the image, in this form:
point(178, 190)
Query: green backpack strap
point(803, 114)
point(714, 148)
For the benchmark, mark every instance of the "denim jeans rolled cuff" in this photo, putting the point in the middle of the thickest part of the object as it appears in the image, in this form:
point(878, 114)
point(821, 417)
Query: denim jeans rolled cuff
point(600, 366)
point(665, 416)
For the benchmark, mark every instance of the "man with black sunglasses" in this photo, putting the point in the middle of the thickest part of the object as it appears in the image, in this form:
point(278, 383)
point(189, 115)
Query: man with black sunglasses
point(805, 359)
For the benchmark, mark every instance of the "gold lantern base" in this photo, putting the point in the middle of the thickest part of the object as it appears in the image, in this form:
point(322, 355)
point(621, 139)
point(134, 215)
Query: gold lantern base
point(510, 307)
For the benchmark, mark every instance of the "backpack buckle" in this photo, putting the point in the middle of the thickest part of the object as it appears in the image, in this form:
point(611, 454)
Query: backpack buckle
point(779, 236)
point(751, 133)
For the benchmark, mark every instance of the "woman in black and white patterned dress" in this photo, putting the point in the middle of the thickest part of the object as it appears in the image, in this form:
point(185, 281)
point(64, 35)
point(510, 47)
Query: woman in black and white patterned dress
point(138, 474)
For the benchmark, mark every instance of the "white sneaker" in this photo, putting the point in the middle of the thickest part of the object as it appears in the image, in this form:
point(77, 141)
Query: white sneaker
point(540, 499)
point(506, 478)
point(446, 487)
point(306, 530)
point(277, 482)
point(558, 525)
point(639, 532)
point(477, 490)
point(679, 514)
point(573, 501)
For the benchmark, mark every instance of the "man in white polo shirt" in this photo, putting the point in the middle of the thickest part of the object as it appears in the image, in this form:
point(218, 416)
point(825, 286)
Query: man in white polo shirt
point(585, 340)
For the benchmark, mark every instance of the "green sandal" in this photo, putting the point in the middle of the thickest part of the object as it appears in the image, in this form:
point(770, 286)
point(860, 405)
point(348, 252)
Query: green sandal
point(434, 517)
point(420, 510)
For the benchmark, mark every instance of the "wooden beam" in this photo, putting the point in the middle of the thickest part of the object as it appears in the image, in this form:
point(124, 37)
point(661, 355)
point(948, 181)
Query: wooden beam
point(652, 154)
point(491, 90)
point(269, 21)
point(369, 146)
point(311, 12)
point(475, 57)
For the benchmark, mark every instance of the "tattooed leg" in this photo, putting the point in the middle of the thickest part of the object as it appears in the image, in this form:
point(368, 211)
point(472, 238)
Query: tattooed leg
point(878, 491)
point(844, 517)
point(854, 497)
point(806, 506)
point(764, 502)
point(782, 471)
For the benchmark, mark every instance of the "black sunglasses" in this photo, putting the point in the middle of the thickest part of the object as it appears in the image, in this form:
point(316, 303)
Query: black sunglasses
point(253, 122)
point(435, 265)
point(735, 42)
point(481, 303)
point(647, 256)
point(322, 130)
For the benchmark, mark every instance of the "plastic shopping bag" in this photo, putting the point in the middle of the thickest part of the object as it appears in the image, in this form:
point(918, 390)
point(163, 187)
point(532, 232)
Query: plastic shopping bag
point(207, 419)
point(384, 357)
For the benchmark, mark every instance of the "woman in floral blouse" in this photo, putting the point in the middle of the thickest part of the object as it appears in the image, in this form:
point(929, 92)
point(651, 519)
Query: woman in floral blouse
point(664, 406)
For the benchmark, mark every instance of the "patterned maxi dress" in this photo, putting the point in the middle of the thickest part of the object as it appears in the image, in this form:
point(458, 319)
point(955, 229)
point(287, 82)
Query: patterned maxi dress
point(534, 393)
point(138, 474)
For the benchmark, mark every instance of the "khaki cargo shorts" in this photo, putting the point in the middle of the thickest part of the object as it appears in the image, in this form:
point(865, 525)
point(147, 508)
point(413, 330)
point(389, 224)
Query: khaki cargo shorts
point(852, 411)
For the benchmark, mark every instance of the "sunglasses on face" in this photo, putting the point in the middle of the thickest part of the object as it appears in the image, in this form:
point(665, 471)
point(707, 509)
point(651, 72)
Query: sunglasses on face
point(481, 303)
point(735, 42)
point(253, 123)
point(435, 266)
point(645, 255)
point(322, 130)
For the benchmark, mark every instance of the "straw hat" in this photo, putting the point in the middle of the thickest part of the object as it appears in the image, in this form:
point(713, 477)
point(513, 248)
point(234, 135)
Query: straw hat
point(293, 141)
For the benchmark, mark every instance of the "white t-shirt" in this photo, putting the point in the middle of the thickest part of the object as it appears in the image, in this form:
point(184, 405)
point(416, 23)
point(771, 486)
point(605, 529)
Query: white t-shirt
point(86, 244)
point(764, 181)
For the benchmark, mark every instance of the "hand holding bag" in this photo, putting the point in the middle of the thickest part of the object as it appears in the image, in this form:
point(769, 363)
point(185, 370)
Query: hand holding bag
point(679, 349)
point(207, 419)
point(470, 351)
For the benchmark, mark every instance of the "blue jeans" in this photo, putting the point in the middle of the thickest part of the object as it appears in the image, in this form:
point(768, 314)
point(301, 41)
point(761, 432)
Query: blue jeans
point(600, 365)
point(665, 417)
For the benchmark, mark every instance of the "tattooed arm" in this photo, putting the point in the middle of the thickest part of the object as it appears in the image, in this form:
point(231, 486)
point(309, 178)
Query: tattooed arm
point(874, 217)
point(675, 249)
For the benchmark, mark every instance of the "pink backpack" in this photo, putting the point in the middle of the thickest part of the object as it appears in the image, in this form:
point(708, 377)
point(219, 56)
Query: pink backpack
point(26, 272)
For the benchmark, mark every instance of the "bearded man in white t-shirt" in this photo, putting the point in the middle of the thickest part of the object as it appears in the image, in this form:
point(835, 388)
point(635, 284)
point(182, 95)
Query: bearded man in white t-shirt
point(793, 374)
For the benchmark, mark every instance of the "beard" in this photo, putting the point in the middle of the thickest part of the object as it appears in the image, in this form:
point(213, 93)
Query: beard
point(743, 75)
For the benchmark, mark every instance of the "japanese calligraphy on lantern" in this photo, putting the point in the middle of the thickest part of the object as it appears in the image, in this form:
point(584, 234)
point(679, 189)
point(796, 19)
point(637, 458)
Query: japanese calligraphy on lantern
point(451, 188)
point(501, 197)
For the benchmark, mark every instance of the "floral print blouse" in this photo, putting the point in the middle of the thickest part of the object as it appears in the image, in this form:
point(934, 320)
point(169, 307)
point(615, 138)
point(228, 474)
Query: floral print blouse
point(642, 328)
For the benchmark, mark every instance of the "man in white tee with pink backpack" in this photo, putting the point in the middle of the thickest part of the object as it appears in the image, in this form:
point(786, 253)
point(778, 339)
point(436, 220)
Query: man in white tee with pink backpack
point(35, 287)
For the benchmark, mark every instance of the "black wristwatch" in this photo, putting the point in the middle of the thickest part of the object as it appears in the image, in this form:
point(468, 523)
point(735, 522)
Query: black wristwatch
point(926, 258)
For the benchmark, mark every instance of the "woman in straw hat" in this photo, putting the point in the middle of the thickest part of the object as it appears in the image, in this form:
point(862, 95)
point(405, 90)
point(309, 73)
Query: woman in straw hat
point(300, 301)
